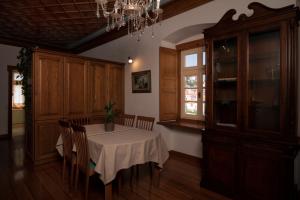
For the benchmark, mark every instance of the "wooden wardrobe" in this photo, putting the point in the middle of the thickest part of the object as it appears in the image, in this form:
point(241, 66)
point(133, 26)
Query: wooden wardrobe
point(64, 86)
point(250, 140)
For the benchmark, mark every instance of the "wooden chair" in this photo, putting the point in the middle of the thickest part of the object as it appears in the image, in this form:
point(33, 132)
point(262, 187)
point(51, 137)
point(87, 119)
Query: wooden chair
point(126, 120)
point(145, 123)
point(68, 143)
point(80, 120)
point(83, 163)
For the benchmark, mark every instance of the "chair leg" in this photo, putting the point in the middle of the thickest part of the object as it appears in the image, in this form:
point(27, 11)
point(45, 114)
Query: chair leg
point(64, 170)
point(76, 178)
point(118, 178)
point(151, 170)
point(72, 176)
point(156, 176)
point(131, 176)
point(87, 179)
point(137, 173)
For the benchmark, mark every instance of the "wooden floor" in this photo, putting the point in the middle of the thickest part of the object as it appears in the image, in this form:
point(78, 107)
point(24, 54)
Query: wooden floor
point(179, 180)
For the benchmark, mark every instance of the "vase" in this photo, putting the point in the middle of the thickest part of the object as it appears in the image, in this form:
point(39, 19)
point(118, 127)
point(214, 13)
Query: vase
point(109, 127)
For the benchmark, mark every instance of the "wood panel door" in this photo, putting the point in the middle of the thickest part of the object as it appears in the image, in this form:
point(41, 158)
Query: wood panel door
point(220, 159)
point(168, 83)
point(97, 87)
point(115, 75)
point(46, 136)
point(266, 172)
point(75, 86)
point(48, 86)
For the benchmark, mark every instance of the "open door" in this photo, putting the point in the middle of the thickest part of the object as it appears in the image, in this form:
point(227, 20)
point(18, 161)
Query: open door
point(16, 114)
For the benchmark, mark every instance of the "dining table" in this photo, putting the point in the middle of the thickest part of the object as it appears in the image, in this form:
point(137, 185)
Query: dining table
point(121, 149)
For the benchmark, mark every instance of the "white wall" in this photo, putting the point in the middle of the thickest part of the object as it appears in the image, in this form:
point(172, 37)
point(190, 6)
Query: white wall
point(146, 55)
point(8, 56)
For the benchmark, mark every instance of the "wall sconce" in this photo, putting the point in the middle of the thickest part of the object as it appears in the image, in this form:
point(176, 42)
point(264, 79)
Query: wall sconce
point(130, 60)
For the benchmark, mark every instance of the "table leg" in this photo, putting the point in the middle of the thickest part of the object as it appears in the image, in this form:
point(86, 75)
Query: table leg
point(108, 191)
point(156, 175)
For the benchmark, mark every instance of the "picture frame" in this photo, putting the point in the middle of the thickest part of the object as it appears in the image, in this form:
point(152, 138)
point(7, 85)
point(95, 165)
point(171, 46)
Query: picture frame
point(141, 82)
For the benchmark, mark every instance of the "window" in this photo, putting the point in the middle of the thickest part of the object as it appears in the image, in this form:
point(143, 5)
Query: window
point(193, 84)
point(18, 98)
point(191, 60)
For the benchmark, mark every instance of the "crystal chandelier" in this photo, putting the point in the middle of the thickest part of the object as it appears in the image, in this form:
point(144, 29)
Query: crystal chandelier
point(137, 14)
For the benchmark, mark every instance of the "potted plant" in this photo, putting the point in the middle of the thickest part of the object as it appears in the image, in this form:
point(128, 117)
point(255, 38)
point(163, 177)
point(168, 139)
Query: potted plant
point(109, 117)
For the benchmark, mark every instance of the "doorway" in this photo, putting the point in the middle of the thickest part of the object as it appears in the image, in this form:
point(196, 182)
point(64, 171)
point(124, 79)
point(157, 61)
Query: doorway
point(16, 114)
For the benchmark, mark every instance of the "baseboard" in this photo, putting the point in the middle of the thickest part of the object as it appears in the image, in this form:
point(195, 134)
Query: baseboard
point(186, 158)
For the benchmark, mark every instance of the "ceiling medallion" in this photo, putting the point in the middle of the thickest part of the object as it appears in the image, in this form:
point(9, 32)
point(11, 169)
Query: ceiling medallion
point(137, 14)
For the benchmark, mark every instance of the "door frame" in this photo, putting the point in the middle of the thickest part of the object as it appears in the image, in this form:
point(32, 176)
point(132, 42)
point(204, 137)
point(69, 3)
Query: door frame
point(10, 70)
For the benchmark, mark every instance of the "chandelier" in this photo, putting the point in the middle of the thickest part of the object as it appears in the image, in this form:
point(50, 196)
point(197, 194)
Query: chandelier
point(137, 14)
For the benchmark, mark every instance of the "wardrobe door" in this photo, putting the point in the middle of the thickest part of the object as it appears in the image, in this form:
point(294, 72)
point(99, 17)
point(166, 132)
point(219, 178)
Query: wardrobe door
point(264, 81)
point(75, 86)
point(46, 136)
point(220, 164)
point(97, 87)
point(225, 82)
point(48, 86)
point(116, 86)
point(266, 172)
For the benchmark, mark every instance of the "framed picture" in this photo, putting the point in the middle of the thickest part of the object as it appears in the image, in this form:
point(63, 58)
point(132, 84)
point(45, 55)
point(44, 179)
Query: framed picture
point(141, 82)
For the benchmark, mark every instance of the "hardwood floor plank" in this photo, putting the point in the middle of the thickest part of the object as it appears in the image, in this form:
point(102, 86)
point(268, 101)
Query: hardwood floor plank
point(165, 193)
point(21, 191)
point(7, 191)
point(54, 189)
point(36, 187)
point(179, 180)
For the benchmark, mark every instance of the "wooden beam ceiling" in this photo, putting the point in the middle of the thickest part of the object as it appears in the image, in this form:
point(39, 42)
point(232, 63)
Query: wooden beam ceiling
point(62, 24)
point(171, 9)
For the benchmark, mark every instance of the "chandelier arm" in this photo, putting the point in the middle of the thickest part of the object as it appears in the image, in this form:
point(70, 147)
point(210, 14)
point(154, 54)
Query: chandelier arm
point(136, 14)
point(153, 20)
point(104, 10)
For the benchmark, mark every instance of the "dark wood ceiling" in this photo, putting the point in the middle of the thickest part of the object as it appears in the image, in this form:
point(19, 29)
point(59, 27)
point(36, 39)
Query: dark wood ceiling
point(63, 24)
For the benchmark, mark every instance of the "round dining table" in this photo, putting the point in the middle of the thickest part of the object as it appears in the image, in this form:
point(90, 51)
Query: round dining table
point(121, 149)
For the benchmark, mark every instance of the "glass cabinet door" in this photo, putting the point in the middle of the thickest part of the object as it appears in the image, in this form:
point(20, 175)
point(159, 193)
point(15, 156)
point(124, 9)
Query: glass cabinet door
point(264, 81)
point(225, 81)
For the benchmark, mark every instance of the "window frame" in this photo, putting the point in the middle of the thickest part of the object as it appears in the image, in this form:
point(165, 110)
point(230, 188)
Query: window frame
point(199, 71)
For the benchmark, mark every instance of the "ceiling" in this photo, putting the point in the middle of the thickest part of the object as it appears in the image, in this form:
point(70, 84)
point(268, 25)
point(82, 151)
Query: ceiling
point(65, 25)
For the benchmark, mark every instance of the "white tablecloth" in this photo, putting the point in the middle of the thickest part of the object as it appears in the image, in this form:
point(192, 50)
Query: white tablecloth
point(122, 148)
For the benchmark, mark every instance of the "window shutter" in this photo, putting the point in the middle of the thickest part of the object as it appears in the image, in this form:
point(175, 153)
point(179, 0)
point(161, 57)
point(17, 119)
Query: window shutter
point(168, 84)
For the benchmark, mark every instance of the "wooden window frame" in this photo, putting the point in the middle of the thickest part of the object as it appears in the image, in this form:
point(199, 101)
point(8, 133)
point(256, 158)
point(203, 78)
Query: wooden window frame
point(184, 47)
point(191, 71)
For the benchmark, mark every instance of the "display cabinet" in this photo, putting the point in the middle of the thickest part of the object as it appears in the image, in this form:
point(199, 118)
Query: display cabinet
point(250, 139)
point(225, 78)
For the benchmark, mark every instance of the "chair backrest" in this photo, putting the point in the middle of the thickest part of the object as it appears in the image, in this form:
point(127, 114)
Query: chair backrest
point(66, 132)
point(125, 119)
point(80, 120)
point(128, 120)
point(145, 123)
point(82, 150)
